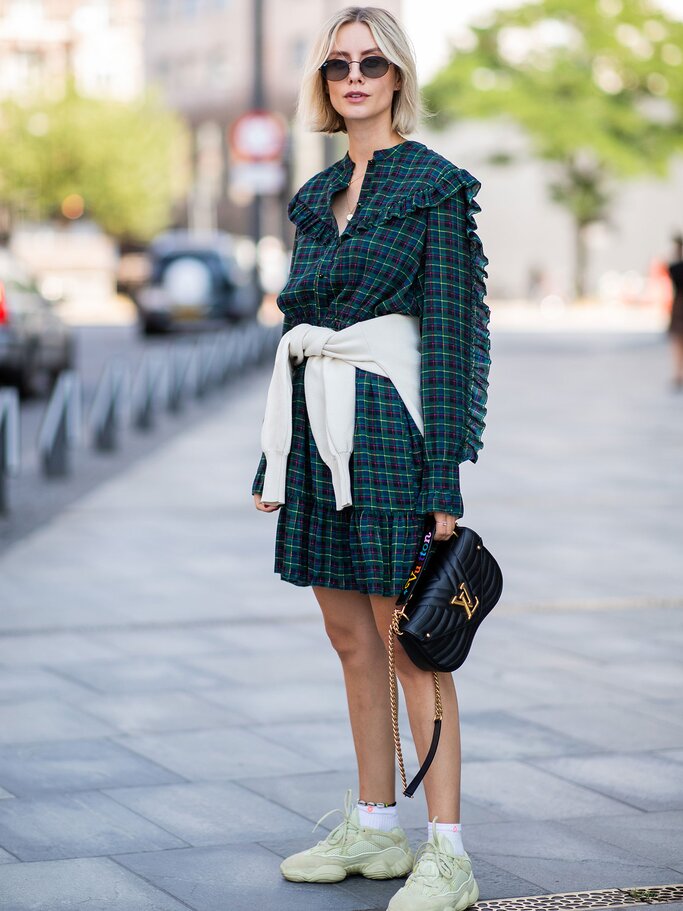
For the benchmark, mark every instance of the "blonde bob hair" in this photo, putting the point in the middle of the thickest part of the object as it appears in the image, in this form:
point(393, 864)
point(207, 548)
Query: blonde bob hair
point(314, 109)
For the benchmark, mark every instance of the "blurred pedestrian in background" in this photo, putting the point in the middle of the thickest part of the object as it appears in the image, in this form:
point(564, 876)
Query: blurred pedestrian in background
point(676, 321)
point(387, 276)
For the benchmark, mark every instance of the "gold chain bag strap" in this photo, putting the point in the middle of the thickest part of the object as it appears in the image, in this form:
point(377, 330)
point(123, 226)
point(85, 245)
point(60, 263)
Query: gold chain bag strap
point(453, 586)
point(394, 630)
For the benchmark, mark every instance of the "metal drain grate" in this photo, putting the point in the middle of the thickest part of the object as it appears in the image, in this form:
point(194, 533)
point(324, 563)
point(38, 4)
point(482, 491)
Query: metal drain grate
point(597, 898)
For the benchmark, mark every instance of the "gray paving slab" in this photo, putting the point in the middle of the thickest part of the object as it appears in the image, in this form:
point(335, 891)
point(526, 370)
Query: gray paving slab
point(526, 790)
point(6, 858)
point(513, 685)
point(328, 743)
point(495, 882)
point(160, 642)
point(87, 824)
point(322, 664)
point(76, 765)
point(257, 638)
point(502, 735)
point(137, 674)
point(35, 683)
point(288, 701)
point(570, 841)
point(97, 883)
point(673, 755)
point(608, 726)
point(230, 752)
point(53, 648)
point(657, 837)
point(605, 636)
point(557, 875)
point(47, 719)
point(656, 678)
point(216, 813)
point(641, 780)
point(170, 710)
point(240, 878)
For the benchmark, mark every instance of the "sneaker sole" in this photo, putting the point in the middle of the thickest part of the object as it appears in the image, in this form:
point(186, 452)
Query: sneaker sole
point(469, 898)
point(335, 873)
point(444, 903)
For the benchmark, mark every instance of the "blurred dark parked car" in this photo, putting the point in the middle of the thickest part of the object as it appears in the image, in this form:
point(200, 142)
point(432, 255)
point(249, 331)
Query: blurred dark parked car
point(34, 340)
point(194, 277)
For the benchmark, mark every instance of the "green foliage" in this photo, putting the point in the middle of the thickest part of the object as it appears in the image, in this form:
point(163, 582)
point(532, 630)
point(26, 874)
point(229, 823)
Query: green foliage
point(596, 85)
point(602, 79)
point(125, 160)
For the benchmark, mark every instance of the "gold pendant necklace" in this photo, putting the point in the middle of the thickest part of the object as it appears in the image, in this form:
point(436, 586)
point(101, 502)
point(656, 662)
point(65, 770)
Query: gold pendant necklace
point(350, 213)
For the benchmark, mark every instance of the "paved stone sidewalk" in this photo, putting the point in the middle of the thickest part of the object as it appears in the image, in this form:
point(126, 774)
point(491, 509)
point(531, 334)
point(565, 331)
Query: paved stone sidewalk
point(173, 719)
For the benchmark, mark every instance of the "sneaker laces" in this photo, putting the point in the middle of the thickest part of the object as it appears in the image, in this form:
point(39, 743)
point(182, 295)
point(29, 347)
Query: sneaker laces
point(431, 851)
point(346, 827)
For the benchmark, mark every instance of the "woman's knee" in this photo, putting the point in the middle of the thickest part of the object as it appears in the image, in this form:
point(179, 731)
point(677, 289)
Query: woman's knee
point(348, 639)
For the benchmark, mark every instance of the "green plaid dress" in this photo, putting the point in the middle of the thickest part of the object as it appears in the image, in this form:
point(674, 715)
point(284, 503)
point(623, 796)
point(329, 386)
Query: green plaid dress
point(410, 248)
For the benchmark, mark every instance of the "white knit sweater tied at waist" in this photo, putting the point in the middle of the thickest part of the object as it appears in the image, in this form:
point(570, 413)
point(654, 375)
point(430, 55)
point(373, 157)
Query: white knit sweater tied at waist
point(386, 345)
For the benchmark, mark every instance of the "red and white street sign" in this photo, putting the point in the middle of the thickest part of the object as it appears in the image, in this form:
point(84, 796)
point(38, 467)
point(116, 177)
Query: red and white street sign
point(258, 136)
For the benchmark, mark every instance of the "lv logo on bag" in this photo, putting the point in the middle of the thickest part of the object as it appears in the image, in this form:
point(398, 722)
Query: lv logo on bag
point(464, 600)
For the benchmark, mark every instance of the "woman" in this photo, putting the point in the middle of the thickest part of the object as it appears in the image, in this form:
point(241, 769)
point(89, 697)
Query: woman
point(675, 328)
point(385, 246)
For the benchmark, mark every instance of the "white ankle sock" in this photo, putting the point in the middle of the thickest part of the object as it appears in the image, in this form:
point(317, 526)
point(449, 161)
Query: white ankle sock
point(384, 818)
point(450, 830)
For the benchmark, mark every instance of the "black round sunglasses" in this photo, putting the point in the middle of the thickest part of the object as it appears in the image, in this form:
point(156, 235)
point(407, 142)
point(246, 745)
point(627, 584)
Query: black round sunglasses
point(337, 69)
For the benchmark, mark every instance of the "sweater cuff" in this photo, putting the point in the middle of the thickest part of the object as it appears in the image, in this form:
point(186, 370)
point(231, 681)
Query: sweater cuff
point(257, 486)
point(441, 489)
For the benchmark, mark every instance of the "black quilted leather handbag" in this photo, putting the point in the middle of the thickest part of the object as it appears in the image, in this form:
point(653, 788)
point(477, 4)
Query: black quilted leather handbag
point(453, 585)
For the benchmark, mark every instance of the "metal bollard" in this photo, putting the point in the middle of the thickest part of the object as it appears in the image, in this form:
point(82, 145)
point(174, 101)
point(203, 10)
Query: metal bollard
point(9, 441)
point(144, 391)
point(61, 425)
point(178, 366)
point(106, 409)
point(203, 361)
point(229, 348)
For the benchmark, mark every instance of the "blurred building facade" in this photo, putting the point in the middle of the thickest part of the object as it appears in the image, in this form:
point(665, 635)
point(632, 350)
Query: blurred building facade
point(199, 54)
point(98, 43)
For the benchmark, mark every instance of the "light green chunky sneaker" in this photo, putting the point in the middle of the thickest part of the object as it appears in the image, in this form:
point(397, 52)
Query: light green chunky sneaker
point(441, 880)
point(350, 848)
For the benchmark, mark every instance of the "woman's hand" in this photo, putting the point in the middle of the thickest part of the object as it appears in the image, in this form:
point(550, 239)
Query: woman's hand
point(264, 507)
point(445, 525)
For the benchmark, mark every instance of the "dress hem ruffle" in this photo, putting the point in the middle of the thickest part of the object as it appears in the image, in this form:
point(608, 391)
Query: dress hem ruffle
point(356, 548)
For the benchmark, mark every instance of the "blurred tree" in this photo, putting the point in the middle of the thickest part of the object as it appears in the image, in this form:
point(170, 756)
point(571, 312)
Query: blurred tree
point(126, 161)
point(597, 85)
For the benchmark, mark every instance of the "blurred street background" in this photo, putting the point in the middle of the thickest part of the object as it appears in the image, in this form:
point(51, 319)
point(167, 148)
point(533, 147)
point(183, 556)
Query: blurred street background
point(159, 747)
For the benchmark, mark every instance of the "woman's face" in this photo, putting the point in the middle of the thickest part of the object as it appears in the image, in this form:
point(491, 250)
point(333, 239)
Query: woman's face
point(358, 97)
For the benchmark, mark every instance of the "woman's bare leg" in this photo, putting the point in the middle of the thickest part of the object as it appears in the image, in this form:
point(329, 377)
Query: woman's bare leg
point(350, 625)
point(442, 781)
point(677, 347)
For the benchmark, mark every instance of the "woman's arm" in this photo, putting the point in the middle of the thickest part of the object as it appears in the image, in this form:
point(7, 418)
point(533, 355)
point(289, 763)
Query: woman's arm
point(454, 348)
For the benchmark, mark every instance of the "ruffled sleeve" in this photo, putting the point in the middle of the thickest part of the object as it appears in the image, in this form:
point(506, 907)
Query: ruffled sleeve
point(455, 339)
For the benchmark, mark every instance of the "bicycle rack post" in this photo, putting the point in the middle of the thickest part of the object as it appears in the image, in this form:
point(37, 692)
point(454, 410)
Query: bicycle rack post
point(61, 425)
point(9, 441)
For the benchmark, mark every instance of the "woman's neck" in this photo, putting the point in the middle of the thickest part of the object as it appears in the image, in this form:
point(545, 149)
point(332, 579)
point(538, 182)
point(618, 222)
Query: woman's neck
point(362, 143)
